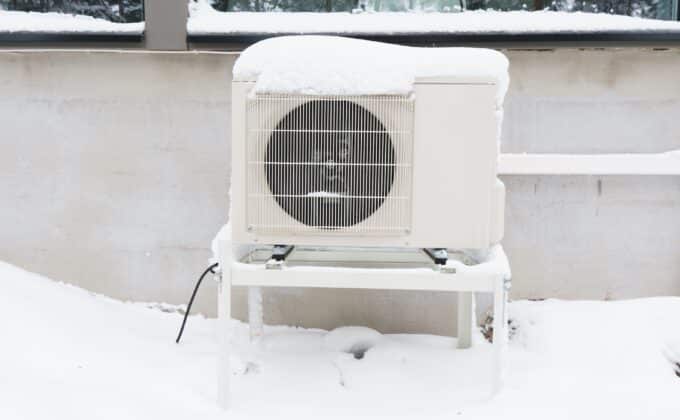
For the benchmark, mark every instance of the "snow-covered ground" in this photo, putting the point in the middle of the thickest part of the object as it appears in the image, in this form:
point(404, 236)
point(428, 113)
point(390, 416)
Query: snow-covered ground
point(66, 353)
point(11, 21)
point(203, 19)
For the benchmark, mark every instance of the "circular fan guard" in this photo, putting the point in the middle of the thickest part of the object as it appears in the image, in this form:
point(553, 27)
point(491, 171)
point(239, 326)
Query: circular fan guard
point(330, 163)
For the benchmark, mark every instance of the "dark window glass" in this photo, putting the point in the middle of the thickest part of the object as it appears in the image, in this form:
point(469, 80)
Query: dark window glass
point(285, 5)
point(657, 9)
point(113, 10)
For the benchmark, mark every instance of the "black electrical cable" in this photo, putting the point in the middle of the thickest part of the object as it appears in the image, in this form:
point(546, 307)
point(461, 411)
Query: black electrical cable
point(210, 269)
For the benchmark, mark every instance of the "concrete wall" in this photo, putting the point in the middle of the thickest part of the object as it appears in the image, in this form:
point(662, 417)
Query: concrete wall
point(588, 237)
point(114, 176)
point(112, 168)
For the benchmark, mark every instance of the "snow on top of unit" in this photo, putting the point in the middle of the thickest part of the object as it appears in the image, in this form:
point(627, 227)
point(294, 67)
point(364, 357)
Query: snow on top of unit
point(12, 21)
point(331, 65)
point(203, 19)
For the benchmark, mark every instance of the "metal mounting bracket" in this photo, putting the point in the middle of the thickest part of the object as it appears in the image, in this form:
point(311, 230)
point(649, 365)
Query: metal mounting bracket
point(279, 255)
point(281, 252)
point(438, 255)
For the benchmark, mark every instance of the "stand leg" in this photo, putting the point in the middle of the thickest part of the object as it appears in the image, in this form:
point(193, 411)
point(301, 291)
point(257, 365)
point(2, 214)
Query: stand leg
point(255, 315)
point(465, 319)
point(224, 327)
point(500, 334)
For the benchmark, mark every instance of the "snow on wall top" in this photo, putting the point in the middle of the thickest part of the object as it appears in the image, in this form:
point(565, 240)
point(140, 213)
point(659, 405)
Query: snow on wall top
point(203, 19)
point(331, 65)
point(63, 23)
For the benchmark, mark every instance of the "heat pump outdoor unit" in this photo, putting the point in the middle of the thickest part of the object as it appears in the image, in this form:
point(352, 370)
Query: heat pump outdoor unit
point(408, 161)
point(347, 157)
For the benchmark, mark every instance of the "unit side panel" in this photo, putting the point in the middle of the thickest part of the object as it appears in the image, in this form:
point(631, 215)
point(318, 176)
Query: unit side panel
point(240, 91)
point(455, 153)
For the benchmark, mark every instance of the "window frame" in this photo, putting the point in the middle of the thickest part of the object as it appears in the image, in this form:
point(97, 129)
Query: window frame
point(156, 15)
point(655, 39)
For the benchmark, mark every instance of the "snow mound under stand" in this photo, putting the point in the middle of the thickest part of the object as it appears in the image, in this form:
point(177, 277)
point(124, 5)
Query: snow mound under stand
point(331, 65)
point(70, 354)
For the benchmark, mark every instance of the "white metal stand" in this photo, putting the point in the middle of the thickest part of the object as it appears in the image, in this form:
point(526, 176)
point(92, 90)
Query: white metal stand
point(361, 269)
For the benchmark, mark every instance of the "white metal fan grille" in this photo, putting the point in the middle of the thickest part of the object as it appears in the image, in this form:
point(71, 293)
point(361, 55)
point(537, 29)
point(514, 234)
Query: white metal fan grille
point(329, 165)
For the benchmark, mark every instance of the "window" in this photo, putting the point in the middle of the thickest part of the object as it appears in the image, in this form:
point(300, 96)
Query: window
point(336, 5)
point(285, 5)
point(657, 9)
point(122, 11)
